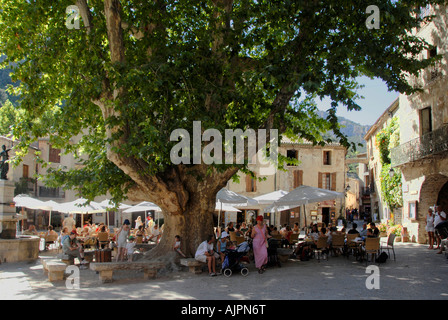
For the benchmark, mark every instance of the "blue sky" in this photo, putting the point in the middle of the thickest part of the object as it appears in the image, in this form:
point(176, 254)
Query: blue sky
point(376, 99)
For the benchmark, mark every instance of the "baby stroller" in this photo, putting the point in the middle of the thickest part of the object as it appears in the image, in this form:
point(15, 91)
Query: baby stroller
point(273, 260)
point(232, 261)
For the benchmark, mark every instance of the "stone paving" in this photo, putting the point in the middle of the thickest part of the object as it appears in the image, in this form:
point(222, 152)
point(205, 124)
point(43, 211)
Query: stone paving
point(417, 273)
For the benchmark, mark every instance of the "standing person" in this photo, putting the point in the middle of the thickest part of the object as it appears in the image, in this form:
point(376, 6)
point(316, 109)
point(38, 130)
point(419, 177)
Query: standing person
point(69, 222)
point(430, 228)
point(260, 238)
point(138, 222)
point(439, 217)
point(149, 224)
point(130, 247)
point(121, 236)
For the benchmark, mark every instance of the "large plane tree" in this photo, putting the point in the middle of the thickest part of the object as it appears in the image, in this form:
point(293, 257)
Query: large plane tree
point(135, 71)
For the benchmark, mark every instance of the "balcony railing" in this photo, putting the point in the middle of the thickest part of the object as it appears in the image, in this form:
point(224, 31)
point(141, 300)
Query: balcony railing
point(432, 143)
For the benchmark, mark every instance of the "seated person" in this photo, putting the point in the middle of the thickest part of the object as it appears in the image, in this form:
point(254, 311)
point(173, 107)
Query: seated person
point(65, 233)
point(100, 233)
point(353, 230)
point(140, 234)
point(31, 231)
point(363, 232)
point(72, 248)
point(223, 244)
point(274, 232)
point(238, 232)
point(296, 228)
point(50, 232)
point(155, 235)
point(375, 230)
point(286, 240)
point(85, 232)
point(206, 254)
point(176, 246)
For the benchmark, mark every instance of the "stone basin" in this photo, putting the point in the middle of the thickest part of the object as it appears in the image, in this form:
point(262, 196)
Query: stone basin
point(22, 248)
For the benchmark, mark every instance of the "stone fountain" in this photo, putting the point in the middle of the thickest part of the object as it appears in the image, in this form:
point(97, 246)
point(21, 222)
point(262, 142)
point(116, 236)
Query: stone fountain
point(12, 248)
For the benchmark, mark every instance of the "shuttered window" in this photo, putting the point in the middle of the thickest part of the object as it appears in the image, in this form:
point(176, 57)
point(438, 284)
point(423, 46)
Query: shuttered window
point(251, 185)
point(327, 181)
point(298, 178)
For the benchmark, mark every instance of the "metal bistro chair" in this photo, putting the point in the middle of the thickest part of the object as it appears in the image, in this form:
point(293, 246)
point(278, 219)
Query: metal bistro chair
point(337, 242)
point(51, 239)
point(373, 247)
point(103, 239)
point(240, 240)
point(294, 239)
point(351, 246)
point(389, 244)
point(320, 246)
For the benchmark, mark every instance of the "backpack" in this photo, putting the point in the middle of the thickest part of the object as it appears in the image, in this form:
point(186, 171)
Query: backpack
point(382, 257)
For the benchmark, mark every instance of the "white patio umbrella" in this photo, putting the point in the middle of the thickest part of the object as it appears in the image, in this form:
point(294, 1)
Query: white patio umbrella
point(25, 201)
point(225, 207)
point(144, 206)
point(233, 199)
point(306, 194)
point(80, 206)
point(108, 204)
point(269, 199)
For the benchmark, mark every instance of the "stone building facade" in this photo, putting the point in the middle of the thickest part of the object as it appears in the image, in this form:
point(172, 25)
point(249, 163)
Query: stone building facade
point(319, 166)
point(378, 208)
point(422, 154)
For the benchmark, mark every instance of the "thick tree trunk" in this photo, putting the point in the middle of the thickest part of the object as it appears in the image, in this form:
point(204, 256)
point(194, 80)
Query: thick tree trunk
point(192, 220)
point(192, 226)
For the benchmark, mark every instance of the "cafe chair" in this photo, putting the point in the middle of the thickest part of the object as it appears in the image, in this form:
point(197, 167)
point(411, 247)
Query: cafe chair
point(350, 246)
point(372, 246)
point(337, 242)
point(294, 239)
point(232, 235)
point(239, 240)
point(320, 247)
point(389, 244)
point(50, 239)
point(277, 236)
point(103, 239)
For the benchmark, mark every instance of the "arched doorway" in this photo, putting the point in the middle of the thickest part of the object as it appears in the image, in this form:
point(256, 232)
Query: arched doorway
point(442, 199)
point(433, 189)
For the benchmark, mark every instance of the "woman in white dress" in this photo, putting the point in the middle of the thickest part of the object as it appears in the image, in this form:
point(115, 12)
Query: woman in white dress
point(430, 227)
point(122, 236)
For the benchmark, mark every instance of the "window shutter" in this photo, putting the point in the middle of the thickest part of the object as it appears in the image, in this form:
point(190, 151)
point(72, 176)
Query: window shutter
point(248, 183)
point(298, 178)
point(333, 181)
point(319, 180)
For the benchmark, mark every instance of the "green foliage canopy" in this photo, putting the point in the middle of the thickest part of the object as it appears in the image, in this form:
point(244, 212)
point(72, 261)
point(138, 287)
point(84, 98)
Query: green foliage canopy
point(137, 70)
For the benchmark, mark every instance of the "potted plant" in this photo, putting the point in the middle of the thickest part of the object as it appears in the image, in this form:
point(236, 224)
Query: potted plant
point(382, 227)
point(397, 230)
